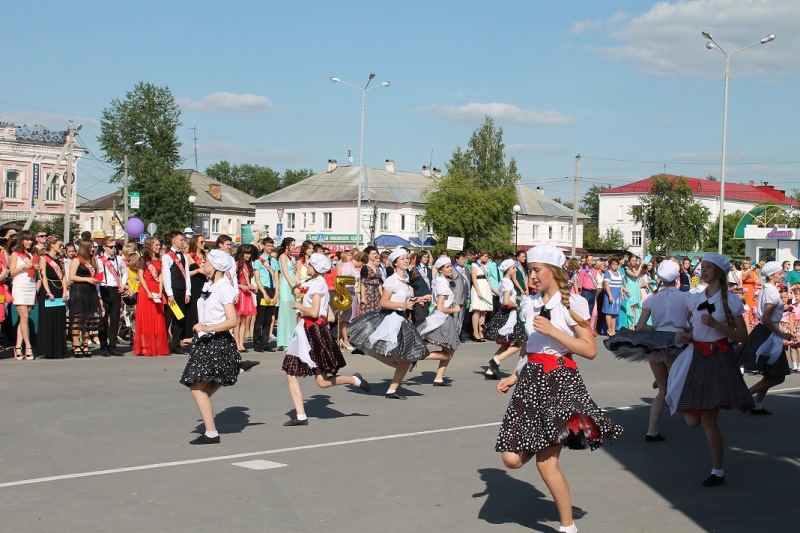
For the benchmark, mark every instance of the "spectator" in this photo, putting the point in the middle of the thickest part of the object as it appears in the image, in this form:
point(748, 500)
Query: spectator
point(84, 299)
point(150, 338)
point(587, 281)
point(267, 271)
point(52, 338)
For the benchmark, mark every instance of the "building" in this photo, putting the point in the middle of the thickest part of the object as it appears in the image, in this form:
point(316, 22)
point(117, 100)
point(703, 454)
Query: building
point(615, 204)
point(221, 209)
point(323, 208)
point(103, 216)
point(27, 156)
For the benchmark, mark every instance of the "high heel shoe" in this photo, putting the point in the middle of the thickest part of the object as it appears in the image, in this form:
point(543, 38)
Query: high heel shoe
point(29, 354)
point(18, 349)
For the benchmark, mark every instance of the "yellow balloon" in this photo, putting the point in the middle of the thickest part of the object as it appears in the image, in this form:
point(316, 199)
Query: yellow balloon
point(343, 299)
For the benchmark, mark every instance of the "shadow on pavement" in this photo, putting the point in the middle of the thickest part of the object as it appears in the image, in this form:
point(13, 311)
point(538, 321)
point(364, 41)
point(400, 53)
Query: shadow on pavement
point(231, 420)
point(319, 406)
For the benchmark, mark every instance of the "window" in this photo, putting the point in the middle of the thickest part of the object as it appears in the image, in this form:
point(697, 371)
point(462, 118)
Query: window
point(214, 225)
point(384, 221)
point(402, 222)
point(52, 193)
point(251, 222)
point(305, 220)
point(564, 233)
point(100, 223)
point(91, 223)
point(620, 212)
point(327, 220)
point(535, 234)
point(313, 219)
point(417, 223)
point(290, 221)
point(12, 184)
point(636, 238)
point(550, 232)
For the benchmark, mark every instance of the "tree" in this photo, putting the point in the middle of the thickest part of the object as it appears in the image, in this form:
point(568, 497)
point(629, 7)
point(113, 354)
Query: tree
point(730, 246)
point(255, 180)
point(475, 198)
point(613, 239)
point(673, 220)
point(565, 203)
point(290, 177)
point(590, 206)
point(144, 125)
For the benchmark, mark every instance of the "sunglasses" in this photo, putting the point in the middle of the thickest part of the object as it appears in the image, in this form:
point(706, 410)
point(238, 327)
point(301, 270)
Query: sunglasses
point(41, 236)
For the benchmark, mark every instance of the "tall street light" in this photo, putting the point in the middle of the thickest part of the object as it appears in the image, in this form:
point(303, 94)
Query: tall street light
point(192, 199)
point(713, 45)
point(362, 173)
point(516, 209)
point(125, 198)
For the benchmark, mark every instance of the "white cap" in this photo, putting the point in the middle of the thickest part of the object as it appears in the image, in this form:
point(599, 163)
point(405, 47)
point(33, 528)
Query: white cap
point(770, 268)
point(320, 263)
point(668, 270)
point(442, 261)
point(221, 261)
point(188, 230)
point(719, 260)
point(505, 265)
point(546, 253)
point(399, 252)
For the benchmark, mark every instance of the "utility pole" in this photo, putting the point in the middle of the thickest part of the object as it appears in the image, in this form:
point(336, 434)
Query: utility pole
point(68, 199)
point(194, 128)
point(125, 213)
point(373, 223)
point(644, 233)
point(575, 205)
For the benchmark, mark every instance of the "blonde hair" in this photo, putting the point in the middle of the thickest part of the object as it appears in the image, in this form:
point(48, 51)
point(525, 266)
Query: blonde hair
point(560, 275)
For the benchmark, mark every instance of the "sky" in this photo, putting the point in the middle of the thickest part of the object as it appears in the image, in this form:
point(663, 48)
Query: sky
point(629, 85)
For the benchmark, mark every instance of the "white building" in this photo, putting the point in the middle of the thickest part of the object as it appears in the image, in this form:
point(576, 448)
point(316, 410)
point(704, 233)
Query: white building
point(615, 204)
point(322, 208)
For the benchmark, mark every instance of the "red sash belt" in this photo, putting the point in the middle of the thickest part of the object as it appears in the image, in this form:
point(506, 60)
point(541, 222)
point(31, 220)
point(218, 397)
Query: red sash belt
point(550, 362)
point(509, 308)
point(708, 348)
point(309, 321)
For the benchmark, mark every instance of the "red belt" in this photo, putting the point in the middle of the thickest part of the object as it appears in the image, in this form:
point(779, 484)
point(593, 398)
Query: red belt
point(308, 321)
point(509, 308)
point(550, 362)
point(708, 348)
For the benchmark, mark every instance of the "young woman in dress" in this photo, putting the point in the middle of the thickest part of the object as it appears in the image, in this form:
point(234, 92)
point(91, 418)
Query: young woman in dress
point(504, 328)
point(245, 306)
point(313, 351)
point(288, 292)
point(197, 278)
point(150, 337)
point(614, 292)
point(550, 407)
point(371, 282)
point(441, 327)
point(214, 361)
point(52, 320)
point(23, 270)
point(386, 335)
point(764, 351)
point(480, 295)
point(705, 377)
point(84, 298)
point(633, 301)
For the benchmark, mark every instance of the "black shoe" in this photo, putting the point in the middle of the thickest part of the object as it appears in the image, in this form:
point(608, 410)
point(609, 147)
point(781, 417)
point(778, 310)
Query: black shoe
point(113, 351)
point(412, 367)
point(259, 349)
point(655, 384)
point(654, 438)
point(296, 422)
point(493, 366)
point(394, 396)
point(104, 351)
point(270, 349)
point(247, 365)
point(356, 351)
point(491, 376)
point(177, 350)
point(714, 481)
point(365, 386)
point(244, 351)
point(203, 439)
point(761, 411)
point(442, 384)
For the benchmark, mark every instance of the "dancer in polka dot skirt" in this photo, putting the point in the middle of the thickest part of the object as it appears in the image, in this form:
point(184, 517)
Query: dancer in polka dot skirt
point(550, 407)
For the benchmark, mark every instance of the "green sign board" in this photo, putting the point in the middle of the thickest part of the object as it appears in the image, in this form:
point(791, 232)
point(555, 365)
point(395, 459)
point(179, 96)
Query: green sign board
point(134, 200)
point(334, 237)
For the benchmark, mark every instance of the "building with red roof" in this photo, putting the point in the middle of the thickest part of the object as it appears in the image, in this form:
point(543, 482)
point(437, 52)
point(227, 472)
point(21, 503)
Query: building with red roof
point(615, 204)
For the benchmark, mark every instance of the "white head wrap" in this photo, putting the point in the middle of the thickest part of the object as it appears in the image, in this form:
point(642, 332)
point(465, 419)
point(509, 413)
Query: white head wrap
point(505, 265)
point(221, 261)
point(668, 270)
point(442, 261)
point(546, 253)
point(719, 260)
point(399, 252)
point(320, 263)
point(770, 268)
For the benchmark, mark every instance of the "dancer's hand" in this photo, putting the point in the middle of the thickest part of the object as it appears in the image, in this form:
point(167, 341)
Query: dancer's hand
point(505, 384)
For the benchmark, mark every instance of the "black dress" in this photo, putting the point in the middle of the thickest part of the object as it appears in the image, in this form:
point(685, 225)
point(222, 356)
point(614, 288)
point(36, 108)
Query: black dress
point(84, 303)
point(196, 289)
point(52, 338)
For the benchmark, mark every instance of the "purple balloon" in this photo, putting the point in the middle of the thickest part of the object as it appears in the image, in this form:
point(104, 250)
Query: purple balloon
point(135, 227)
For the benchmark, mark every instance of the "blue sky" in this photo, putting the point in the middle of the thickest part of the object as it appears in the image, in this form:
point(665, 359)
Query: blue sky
point(629, 85)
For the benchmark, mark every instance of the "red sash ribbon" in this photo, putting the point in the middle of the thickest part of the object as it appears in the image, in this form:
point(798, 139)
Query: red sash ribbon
point(310, 321)
point(55, 266)
point(177, 262)
point(708, 348)
point(110, 267)
point(551, 362)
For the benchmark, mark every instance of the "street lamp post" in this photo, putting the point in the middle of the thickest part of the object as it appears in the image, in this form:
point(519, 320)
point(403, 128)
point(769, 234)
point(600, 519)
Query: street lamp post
point(362, 169)
point(713, 45)
point(516, 209)
point(125, 199)
point(192, 199)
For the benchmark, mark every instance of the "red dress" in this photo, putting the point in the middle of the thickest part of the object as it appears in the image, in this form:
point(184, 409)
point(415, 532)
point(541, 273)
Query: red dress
point(245, 305)
point(150, 337)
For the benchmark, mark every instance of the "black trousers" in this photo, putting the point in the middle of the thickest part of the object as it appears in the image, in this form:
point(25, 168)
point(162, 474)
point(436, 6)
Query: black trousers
point(261, 328)
point(175, 326)
point(109, 326)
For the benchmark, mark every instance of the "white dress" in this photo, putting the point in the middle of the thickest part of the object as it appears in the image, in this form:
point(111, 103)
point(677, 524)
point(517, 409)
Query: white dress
point(24, 287)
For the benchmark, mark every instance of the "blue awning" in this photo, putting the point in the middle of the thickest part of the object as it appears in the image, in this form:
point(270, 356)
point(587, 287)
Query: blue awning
point(391, 240)
point(430, 242)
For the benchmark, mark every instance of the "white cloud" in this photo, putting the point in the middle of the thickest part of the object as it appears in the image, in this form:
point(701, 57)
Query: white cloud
point(507, 114)
point(533, 148)
point(666, 40)
point(224, 102)
point(593, 26)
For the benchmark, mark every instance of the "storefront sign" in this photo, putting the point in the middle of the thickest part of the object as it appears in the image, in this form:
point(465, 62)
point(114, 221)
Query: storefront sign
point(35, 185)
point(778, 233)
point(333, 237)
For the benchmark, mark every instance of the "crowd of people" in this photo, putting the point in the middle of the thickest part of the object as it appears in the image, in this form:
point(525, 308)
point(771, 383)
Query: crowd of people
point(699, 324)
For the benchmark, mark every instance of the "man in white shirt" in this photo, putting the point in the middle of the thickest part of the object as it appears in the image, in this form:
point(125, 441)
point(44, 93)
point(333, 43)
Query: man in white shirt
point(175, 268)
point(114, 284)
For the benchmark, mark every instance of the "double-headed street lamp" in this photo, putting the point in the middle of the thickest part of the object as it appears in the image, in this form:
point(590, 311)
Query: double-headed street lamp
point(713, 45)
point(362, 173)
point(516, 209)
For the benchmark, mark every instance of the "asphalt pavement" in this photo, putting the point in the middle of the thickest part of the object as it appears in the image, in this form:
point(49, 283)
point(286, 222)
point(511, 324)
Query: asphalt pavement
point(102, 444)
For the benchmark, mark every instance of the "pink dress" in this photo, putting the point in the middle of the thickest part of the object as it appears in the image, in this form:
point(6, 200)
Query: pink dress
point(245, 305)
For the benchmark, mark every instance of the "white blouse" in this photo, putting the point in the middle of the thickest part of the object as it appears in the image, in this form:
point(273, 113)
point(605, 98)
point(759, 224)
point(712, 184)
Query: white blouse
point(769, 295)
point(703, 333)
point(211, 310)
point(506, 285)
point(441, 287)
point(399, 287)
point(317, 285)
point(559, 317)
point(667, 308)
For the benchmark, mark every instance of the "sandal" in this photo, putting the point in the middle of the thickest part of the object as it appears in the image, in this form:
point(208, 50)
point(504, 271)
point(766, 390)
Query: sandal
point(85, 350)
point(77, 353)
point(18, 349)
point(29, 354)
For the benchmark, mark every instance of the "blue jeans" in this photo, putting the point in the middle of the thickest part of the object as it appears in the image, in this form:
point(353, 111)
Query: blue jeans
point(589, 295)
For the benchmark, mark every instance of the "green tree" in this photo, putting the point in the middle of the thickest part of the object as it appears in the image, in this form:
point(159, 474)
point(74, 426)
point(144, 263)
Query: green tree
point(475, 198)
point(255, 180)
point(672, 218)
point(590, 206)
point(144, 126)
point(613, 239)
point(290, 177)
point(730, 246)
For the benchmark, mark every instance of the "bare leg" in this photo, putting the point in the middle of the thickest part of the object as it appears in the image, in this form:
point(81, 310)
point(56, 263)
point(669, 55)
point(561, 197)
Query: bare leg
point(324, 381)
point(296, 394)
point(660, 372)
point(445, 356)
point(23, 331)
point(713, 435)
point(610, 323)
point(399, 373)
point(547, 464)
point(476, 325)
point(203, 400)
point(516, 460)
point(759, 390)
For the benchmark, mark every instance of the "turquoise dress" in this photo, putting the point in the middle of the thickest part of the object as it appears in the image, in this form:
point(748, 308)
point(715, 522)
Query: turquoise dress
point(287, 317)
point(632, 306)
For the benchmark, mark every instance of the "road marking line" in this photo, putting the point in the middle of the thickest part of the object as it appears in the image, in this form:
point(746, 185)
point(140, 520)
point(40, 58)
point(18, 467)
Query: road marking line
point(239, 455)
point(259, 464)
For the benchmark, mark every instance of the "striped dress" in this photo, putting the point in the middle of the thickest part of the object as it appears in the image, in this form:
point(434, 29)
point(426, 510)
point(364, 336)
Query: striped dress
point(615, 281)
